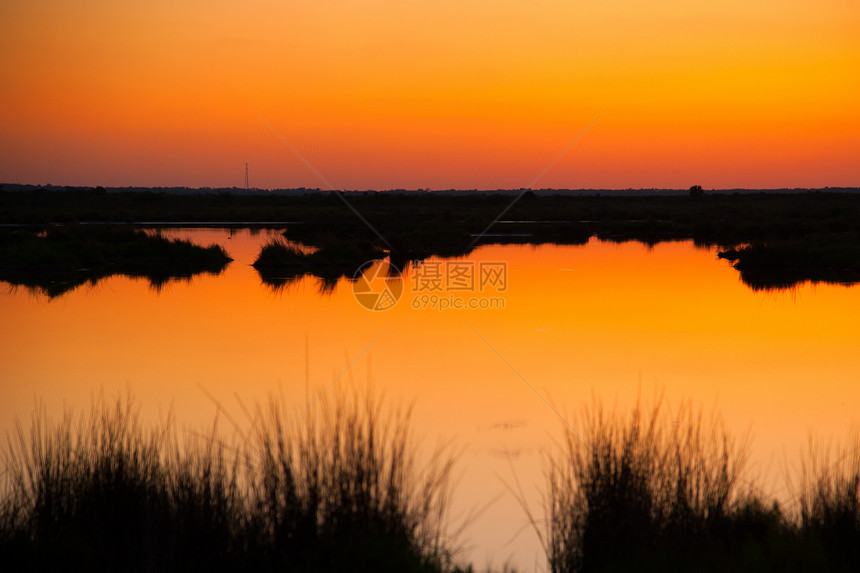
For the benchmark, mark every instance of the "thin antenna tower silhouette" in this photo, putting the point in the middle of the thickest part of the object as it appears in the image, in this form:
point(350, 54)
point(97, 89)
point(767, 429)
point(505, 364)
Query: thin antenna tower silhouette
point(246, 177)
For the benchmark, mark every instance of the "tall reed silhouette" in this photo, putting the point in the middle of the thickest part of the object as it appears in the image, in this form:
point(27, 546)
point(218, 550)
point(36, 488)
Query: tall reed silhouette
point(652, 491)
point(827, 490)
point(340, 487)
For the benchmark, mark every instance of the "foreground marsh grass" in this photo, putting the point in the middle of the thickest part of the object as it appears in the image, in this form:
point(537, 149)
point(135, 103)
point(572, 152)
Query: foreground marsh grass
point(342, 487)
point(828, 501)
point(338, 488)
point(660, 491)
point(346, 479)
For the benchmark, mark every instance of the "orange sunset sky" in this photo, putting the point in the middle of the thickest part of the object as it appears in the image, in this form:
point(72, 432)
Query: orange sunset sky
point(470, 94)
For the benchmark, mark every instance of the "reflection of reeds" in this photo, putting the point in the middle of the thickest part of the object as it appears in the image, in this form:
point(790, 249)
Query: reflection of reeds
point(337, 489)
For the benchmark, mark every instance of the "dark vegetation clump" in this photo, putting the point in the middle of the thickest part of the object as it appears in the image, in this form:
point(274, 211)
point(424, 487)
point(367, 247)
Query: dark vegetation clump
point(281, 263)
point(59, 259)
point(783, 265)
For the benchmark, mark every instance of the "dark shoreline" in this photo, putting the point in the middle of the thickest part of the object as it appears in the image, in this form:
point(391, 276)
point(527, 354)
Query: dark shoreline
point(813, 236)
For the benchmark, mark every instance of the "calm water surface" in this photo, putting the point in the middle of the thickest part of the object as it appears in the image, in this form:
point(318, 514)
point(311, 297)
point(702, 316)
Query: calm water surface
point(602, 320)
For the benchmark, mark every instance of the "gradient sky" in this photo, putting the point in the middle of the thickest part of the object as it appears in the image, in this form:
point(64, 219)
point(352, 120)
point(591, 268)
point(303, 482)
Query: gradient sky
point(468, 94)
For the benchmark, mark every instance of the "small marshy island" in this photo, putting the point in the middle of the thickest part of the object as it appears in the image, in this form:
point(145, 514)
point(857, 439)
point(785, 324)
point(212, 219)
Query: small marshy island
point(58, 259)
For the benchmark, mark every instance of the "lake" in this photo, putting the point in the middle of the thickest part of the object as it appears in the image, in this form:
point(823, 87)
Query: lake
point(529, 335)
